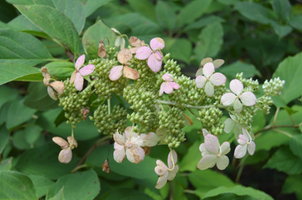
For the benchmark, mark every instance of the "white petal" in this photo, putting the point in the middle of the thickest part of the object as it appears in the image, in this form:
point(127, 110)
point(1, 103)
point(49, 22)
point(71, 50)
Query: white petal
point(150, 139)
point(172, 174)
point(237, 130)
point(161, 182)
point(206, 162)
point(225, 148)
point(227, 99)
point(211, 144)
point(248, 98)
point(171, 155)
point(237, 106)
point(52, 93)
point(217, 79)
point(159, 170)
point(251, 148)
point(222, 162)
point(119, 138)
point(208, 69)
point(119, 155)
point(200, 81)
point(202, 148)
point(205, 132)
point(236, 86)
point(135, 155)
point(209, 89)
point(240, 151)
point(218, 62)
point(228, 125)
point(65, 155)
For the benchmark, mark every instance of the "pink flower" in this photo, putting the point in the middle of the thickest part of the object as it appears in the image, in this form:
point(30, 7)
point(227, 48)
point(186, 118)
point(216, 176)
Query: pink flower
point(209, 80)
point(239, 98)
point(245, 144)
point(65, 154)
point(168, 85)
point(77, 75)
point(213, 153)
point(130, 144)
point(166, 173)
point(154, 55)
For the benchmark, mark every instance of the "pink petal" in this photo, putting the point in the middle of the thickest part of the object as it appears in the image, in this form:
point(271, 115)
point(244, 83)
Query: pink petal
point(65, 155)
point(157, 44)
point(168, 88)
point(209, 89)
point(206, 162)
point(135, 155)
point(158, 55)
point(73, 75)
point(237, 106)
point(228, 125)
point(88, 69)
point(218, 79)
point(143, 53)
point(227, 99)
point(225, 148)
point(251, 148)
point(236, 86)
point(248, 98)
point(172, 174)
point(211, 144)
point(162, 88)
point(222, 162)
point(200, 81)
point(161, 182)
point(208, 69)
point(243, 139)
point(116, 73)
point(154, 63)
point(119, 155)
point(78, 82)
point(174, 155)
point(80, 61)
point(240, 151)
point(174, 85)
point(205, 132)
point(168, 77)
point(159, 170)
point(150, 139)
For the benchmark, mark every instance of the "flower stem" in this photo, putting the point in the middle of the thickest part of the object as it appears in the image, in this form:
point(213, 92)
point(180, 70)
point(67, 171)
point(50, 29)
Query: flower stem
point(187, 105)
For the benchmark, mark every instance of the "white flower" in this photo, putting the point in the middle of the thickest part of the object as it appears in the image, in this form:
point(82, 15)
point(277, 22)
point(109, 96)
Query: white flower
point(230, 123)
point(65, 154)
point(245, 144)
point(213, 153)
point(166, 173)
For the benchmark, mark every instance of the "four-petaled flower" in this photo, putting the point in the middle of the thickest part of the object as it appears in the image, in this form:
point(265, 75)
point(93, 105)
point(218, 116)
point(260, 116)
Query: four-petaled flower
point(130, 144)
point(209, 80)
point(65, 154)
point(245, 144)
point(166, 173)
point(154, 55)
point(77, 75)
point(239, 98)
point(168, 85)
point(136, 44)
point(213, 153)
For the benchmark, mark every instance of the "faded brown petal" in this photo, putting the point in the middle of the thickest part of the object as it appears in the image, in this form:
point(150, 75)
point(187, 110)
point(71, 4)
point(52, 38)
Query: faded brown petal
point(134, 41)
point(147, 150)
point(102, 51)
point(116, 31)
point(72, 141)
point(124, 56)
point(85, 111)
point(61, 142)
point(58, 86)
point(46, 75)
point(52, 93)
point(72, 78)
point(130, 73)
point(106, 167)
point(65, 155)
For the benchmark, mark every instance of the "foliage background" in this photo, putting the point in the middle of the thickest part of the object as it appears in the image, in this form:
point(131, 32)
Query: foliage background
point(262, 39)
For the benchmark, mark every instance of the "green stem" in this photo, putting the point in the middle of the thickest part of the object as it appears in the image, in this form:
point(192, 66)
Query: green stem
point(188, 106)
point(283, 132)
point(109, 106)
point(240, 169)
point(189, 191)
point(79, 167)
point(275, 116)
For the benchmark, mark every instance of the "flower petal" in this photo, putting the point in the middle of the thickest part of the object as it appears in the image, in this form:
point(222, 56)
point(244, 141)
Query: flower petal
point(159, 170)
point(209, 89)
point(227, 99)
point(135, 155)
point(206, 162)
point(52, 93)
point(157, 43)
point(154, 63)
point(225, 148)
point(240, 151)
point(222, 162)
point(205, 132)
point(200, 81)
point(61, 142)
point(143, 53)
point(158, 55)
point(236, 86)
point(199, 72)
point(174, 85)
point(251, 148)
point(228, 125)
point(208, 69)
point(218, 62)
point(116, 73)
point(172, 157)
point(162, 88)
point(119, 155)
point(206, 60)
point(119, 138)
point(168, 88)
point(80, 61)
point(65, 155)
point(161, 182)
point(88, 69)
point(78, 82)
point(202, 148)
point(211, 144)
point(130, 73)
point(124, 56)
point(150, 139)
point(217, 79)
point(58, 86)
point(237, 106)
point(168, 77)
point(248, 99)
point(172, 174)
point(73, 75)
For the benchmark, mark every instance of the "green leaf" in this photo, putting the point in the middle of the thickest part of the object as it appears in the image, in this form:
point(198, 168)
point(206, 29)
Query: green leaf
point(295, 22)
point(228, 2)
point(295, 145)
point(41, 183)
point(210, 41)
point(124, 194)
point(6, 164)
point(240, 191)
point(258, 156)
point(231, 70)
point(204, 21)
point(275, 139)
point(18, 113)
point(282, 9)
point(289, 70)
point(165, 15)
point(21, 2)
point(38, 97)
point(255, 12)
point(77, 186)
point(285, 161)
point(32, 133)
point(59, 195)
point(292, 184)
point(54, 23)
point(190, 160)
point(7, 94)
point(259, 121)
point(19, 140)
point(60, 70)
point(14, 185)
point(180, 48)
point(7, 12)
point(43, 160)
point(93, 35)
point(92, 5)
point(192, 11)
point(143, 7)
point(281, 30)
point(207, 180)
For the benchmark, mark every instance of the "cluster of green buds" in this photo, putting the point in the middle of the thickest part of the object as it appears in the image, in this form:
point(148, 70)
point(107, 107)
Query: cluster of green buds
point(154, 100)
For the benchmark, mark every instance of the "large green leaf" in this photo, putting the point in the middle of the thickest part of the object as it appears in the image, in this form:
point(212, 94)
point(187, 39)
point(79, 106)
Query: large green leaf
point(125, 194)
point(295, 145)
point(295, 22)
point(93, 35)
point(78, 186)
point(14, 185)
point(275, 139)
point(192, 11)
point(41, 183)
point(6, 164)
point(60, 70)
point(4, 137)
point(210, 41)
point(284, 160)
point(144, 7)
point(7, 94)
point(282, 9)
point(54, 23)
point(180, 48)
point(290, 70)
point(292, 184)
point(281, 30)
point(92, 5)
point(204, 21)
point(190, 160)
point(165, 15)
point(231, 70)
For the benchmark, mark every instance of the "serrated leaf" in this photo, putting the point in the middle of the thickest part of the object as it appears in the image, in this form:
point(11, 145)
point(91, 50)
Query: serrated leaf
point(93, 35)
point(231, 70)
point(144, 7)
point(292, 184)
point(23, 24)
point(276, 139)
point(289, 70)
point(92, 5)
point(77, 186)
point(41, 183)
point(54, 23)
point(165, 15)
point(285, 161)
point(180, 48)
point(282, 9)
point(281, 30)
point(210, 41)
point(295, 145)
point(14, 185)
point(60, 70)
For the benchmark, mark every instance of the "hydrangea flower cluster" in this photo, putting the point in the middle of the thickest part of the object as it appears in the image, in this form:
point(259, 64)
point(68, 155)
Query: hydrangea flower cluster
point(142, 77)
